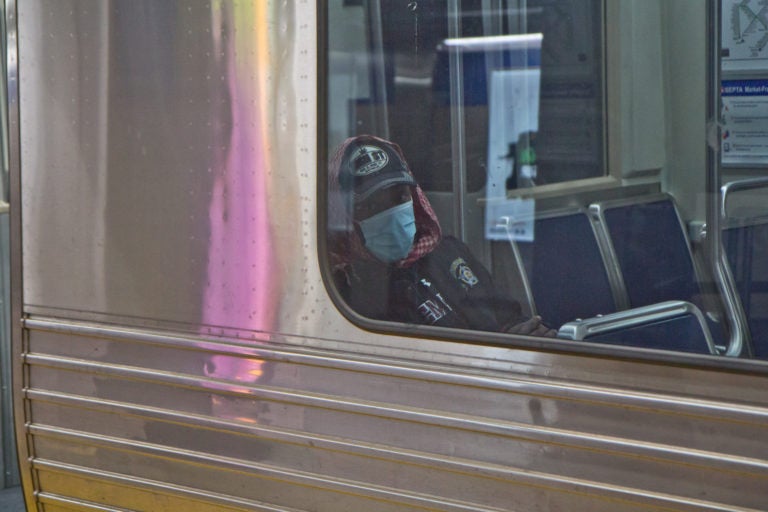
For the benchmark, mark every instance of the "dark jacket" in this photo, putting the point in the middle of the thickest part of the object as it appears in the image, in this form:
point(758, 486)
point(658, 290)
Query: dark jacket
point(448, 287)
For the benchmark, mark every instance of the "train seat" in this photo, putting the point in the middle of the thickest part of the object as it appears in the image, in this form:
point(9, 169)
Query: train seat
point(648, 241)
point(670, 325)
point(746, 246)
point(563, 268)
point(745, 242)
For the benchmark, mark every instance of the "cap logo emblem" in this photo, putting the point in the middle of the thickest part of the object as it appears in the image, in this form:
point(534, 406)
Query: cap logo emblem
point(368, 160)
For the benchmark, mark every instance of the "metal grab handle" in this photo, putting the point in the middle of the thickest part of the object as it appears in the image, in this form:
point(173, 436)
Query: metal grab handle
point(738, 186)
point(737, 345)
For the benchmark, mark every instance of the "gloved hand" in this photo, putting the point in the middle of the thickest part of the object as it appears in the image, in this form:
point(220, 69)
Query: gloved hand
point(532, 327)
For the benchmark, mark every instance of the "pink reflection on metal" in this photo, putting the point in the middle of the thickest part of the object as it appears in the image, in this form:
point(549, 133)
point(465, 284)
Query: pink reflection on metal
point(242, 286)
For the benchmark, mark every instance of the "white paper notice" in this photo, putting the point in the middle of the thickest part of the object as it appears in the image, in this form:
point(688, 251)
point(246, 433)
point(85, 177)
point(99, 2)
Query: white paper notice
point(513, 109)
point(745, 122)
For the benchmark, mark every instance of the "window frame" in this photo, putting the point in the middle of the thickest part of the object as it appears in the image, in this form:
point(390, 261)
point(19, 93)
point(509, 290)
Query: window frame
point(613, 180)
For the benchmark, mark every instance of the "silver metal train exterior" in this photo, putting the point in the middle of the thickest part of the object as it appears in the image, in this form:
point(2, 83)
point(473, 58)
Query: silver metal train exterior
point(175, 346)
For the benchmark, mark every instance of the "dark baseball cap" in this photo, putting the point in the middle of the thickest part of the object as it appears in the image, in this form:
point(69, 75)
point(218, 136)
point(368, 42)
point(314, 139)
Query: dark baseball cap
point(370, 166)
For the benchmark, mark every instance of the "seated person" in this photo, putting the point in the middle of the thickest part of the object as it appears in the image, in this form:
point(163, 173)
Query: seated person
point(392, 262)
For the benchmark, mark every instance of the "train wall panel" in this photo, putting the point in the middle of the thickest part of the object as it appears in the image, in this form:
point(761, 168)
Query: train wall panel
point(568, 406)
point(87, 491)
point(311, 427)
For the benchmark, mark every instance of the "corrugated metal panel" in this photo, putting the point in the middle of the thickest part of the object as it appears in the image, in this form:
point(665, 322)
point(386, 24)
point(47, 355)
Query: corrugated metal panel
point(313, 432)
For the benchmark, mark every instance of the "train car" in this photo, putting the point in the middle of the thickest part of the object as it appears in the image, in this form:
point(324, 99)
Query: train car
point(212, 310)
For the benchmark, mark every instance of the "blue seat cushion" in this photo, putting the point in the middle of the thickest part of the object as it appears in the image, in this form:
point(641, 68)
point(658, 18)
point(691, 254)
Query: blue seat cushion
point(566, 271)
point(683, 334)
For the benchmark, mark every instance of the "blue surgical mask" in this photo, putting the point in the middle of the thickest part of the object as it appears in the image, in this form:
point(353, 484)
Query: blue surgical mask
point(389, 234)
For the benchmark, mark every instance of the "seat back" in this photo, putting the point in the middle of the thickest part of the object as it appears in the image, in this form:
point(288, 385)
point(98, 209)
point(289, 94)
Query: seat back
point(649, 242)
point(565, 269)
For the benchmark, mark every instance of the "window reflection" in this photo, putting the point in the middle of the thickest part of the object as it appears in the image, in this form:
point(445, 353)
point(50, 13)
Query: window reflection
point(498, 111)
point(421, 73)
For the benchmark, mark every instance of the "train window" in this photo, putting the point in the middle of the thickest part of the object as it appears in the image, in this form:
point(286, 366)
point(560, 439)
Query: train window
point(476, 100)
point(534, 167)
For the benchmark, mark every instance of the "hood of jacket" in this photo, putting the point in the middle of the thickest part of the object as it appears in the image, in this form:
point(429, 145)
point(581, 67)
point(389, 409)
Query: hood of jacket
point(345, 243)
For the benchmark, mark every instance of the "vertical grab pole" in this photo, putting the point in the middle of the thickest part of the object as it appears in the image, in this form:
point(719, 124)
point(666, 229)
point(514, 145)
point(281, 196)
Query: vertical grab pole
point(737, 345)
point(379, 72)
point(458, 142)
